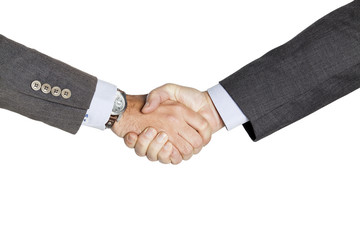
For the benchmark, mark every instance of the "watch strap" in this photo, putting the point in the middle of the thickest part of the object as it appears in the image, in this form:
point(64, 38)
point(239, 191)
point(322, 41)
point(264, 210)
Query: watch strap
point(111, 122)
point(114, 118)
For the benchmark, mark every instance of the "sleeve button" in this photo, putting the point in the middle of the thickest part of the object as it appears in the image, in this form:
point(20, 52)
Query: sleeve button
point(36, 85)
point(46, 88)
point(56, 91)
point(66, 93)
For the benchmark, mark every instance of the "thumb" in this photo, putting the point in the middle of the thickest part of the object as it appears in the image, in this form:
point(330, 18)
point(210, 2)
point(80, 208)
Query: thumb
point(156, 97)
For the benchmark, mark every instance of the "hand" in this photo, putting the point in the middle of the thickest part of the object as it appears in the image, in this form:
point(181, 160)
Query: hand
point(199, 102)
point(187, 130)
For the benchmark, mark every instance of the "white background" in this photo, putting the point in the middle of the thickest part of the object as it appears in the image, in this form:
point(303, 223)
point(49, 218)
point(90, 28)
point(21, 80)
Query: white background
point(300, 183)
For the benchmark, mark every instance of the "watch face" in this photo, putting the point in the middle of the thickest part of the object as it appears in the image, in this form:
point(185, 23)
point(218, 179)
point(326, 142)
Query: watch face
point(119, 104)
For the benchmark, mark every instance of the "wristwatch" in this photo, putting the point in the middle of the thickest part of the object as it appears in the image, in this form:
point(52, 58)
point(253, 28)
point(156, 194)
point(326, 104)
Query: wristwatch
point(119, 108)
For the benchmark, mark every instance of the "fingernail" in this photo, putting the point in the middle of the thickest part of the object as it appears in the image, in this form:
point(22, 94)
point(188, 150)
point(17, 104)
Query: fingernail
point(168, 146)
point(150, 133)
point(147, 104)
point(161, 137)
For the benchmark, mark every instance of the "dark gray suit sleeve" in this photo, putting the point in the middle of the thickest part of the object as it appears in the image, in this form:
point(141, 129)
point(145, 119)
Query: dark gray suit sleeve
point(317, 67)
point(20, 66)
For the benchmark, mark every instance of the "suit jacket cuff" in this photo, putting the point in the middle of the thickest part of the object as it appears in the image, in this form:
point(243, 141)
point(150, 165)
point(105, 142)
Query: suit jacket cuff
point(227, 108)
point(101, 105)
point(21, 66)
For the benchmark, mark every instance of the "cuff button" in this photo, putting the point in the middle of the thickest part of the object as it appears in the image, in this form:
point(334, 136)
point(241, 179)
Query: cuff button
point(66, 93)
point(46, 88)
point(56, 91)
point(36, 85)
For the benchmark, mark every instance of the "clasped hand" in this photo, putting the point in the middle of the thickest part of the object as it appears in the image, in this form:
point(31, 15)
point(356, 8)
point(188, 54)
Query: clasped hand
point(171, 124)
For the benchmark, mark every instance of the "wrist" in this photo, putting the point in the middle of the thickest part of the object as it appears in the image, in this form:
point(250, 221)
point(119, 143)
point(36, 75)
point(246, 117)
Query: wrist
point(118, 108)
point(215, 120)
point(128, 120)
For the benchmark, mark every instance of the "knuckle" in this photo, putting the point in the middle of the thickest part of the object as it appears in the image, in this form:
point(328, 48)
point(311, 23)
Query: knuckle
point(140, 145)
point(204, 126)
point(129, 145)
point(187, 157)
point(151, 158)
point(165, 161)
point(168, 85)
point(176, 162)
point(175, 156)
point(207, 140)
point(197, 150)
point(139, 153)
point(164, 157)
point(198, 142)
point(187, 152)
point(163, 154)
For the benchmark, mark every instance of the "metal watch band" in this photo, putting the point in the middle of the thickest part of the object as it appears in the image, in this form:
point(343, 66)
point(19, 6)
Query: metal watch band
point(111, 121)
point(113, 118)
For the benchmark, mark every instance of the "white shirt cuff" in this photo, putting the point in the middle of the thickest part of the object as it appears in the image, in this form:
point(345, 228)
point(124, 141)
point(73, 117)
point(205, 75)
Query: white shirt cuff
point(229, 111)
point(101, 105)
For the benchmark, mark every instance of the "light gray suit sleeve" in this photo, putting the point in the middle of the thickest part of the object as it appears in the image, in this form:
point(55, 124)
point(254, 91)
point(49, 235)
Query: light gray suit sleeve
point(317, 67)
point(20, 66)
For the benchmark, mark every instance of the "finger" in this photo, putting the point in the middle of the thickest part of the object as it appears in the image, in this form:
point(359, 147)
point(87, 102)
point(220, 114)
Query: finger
point(130, 139)
point(192, 137)
point(201, 125)
point(185, 149)
point(153, 101)
point(157, 96)
point(165, 153)
point(156, 145)
point(197, 150)
point(144, 141)
point(175, 156)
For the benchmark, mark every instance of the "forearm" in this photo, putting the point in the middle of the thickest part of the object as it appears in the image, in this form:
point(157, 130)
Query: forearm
point(20, 66)
point(315, 68)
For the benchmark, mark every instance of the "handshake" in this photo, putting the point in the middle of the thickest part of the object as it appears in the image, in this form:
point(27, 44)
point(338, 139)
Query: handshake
point(314, 69)
point(171, 124)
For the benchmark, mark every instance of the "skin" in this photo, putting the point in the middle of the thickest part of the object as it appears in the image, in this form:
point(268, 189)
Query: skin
point(198, 101)
point(187, 130)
